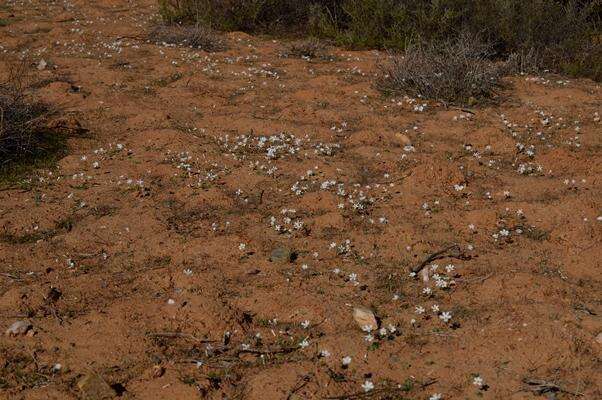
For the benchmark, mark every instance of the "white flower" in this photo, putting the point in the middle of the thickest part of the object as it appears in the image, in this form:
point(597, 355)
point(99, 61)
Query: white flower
point(450, 267)
point(419, 310)
point(441, 283)
point(187, 272)
point(324, 353)
point(304, 343)
point(346, 361)
point(242, 246)
point(369, 337)
point(304, 266)
point(368, 386)
point(445, 316)
point(478, 381)
point(436, 396)
point(435, 308)
point(427, 291)
point(305, 324)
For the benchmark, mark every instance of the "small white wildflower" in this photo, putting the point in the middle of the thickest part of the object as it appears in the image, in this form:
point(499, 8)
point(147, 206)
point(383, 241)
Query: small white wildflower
point(305, 324)
point(346, 361)
point(445, 316)
point(478, 381)
point(441, 283)
point(420, 310)
point(368, 386)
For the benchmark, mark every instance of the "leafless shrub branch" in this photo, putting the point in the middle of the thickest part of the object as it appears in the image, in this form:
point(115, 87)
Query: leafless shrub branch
point(196, 36)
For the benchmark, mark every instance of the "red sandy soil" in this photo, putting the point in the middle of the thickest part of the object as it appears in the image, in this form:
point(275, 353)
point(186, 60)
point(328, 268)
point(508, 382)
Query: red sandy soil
point(171, 231)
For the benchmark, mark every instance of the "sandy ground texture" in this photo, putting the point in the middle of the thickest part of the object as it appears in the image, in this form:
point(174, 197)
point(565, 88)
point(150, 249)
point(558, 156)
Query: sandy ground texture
point(244, 225)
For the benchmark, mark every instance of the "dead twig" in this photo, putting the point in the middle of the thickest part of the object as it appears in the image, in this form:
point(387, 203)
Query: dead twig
point(11, 276)
point(302, 382)
point(180, 335)
point(541, 386)
point(452, 251)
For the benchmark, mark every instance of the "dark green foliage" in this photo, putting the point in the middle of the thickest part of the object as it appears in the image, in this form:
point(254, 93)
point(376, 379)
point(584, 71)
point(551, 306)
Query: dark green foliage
point(565, 34)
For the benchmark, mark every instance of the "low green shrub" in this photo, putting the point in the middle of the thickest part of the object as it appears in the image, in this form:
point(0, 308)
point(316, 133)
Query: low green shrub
point(565, 33)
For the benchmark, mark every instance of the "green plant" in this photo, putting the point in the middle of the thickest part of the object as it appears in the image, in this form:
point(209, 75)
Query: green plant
point(565, 34)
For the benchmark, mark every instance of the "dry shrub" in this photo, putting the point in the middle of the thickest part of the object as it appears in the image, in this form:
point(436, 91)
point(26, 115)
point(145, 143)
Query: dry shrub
point(524, 62)
point(196, 36)
point(308, 48)
point(457, 71)
point(23, 121)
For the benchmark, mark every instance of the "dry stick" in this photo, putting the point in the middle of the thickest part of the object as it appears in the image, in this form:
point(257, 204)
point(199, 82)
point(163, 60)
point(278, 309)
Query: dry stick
point(364, 395)
point(376, 392)
point(180, 335)
point(282, 350)
point(540, 386)
point(303, 381)
point(452, 251)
